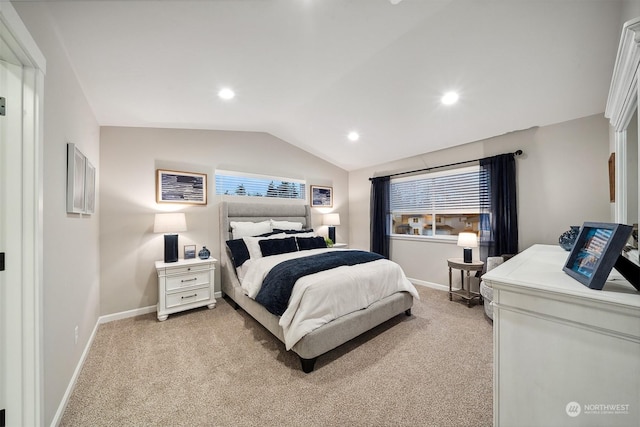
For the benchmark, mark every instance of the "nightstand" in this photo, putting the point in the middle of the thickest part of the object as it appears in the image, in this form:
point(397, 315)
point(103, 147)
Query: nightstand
point(340, 245)
point(459, 264)
point(185, 284)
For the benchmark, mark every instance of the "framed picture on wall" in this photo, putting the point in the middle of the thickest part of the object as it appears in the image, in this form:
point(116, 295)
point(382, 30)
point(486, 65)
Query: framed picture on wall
point(90, 188)
point(321, 197)
point(81, 182)
point(181, 187)
point(595, 252)
point(76, 164)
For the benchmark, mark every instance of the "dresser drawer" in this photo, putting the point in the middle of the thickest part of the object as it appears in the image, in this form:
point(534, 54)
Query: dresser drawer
point(188, 297)
point(194, 278)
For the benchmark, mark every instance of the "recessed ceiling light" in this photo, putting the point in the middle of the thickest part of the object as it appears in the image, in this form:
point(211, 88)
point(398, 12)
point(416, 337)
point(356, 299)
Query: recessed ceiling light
point(449, 98)
point(353, 136)
point(226, 93)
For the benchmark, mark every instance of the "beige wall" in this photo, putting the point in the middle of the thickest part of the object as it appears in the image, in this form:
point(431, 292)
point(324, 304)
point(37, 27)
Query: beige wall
point(129, 158)
point(562, 180)
point(71, 254)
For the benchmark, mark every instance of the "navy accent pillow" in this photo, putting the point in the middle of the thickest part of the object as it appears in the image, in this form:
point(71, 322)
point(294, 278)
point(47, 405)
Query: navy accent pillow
point(310, 230)
point(306, 243)
point(278, 246)
point(271, 233)
point(239, 251)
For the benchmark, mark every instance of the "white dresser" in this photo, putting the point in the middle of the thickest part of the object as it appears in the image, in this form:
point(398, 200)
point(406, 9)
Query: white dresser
point(185, 284)
point(564, 354)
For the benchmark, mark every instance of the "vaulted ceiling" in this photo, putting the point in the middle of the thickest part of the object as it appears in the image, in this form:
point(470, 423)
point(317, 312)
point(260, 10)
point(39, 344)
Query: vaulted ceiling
point(311, 71)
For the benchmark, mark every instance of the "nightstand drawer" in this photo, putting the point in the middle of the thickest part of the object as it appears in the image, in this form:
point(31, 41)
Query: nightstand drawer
point(188, 297)
point(185, 269)
point(195, 278)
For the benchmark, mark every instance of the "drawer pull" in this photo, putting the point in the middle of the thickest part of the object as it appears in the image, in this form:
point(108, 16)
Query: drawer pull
point(188, 280)
point(190, 296)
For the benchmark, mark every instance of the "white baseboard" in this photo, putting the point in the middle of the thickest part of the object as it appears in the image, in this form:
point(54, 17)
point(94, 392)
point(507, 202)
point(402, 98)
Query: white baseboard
point(67, 394)
point(72, 383)
point(126, 314)
point(432, 285)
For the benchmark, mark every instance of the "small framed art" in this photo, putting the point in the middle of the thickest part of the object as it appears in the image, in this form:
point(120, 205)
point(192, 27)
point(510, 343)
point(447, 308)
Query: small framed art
point(595, 252)
point(189, 251)
point(90, 188)
point(612, 178)
point(81, 182)
point(181, 187)
point(321, 197)
point(76, 164)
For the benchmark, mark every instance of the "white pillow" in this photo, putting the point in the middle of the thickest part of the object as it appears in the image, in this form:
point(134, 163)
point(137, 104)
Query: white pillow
point(253, 244)
point(242, 229)
point(285, 225)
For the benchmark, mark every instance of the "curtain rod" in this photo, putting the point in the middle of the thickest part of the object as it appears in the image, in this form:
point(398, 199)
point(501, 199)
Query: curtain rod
point(515, 153)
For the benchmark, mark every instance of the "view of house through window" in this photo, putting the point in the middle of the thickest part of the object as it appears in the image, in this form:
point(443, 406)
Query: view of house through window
point(251, 185)
point(439, 204)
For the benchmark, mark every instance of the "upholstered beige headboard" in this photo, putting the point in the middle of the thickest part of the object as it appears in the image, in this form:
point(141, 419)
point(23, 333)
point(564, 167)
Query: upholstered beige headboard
point(254, 212)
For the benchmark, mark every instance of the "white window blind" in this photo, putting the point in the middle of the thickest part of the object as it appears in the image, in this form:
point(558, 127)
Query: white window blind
point(459, 190)
point(253, 185)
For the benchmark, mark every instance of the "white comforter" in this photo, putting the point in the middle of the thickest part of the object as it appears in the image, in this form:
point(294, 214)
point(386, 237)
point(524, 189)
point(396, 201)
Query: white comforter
point(319, 298)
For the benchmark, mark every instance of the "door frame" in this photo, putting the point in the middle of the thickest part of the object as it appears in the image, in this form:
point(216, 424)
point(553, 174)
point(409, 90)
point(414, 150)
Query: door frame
point(24, 404)
point(622, 103)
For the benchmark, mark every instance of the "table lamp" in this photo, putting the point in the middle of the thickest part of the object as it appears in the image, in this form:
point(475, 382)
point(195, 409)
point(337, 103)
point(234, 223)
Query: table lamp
point(331, 220)
point(170, 224)
point(467, 241)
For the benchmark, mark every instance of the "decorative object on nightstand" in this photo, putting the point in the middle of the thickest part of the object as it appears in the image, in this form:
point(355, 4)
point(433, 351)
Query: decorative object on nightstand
point(468, 240)
point(204, 253)
point(463, 265)
point(170, 224)
point(189, 251)
point(184, 285)
point(331, 220)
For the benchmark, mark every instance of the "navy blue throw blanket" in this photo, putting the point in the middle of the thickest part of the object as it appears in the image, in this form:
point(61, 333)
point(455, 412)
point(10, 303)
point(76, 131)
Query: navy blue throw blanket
point(277, 286)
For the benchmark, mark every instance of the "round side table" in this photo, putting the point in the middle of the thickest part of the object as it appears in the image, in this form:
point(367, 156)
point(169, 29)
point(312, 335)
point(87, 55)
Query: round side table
point(459, 264)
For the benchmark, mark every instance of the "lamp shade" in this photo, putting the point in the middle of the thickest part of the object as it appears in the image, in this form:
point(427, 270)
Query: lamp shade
point(468, 240)
point(170, 223)
point(331, 219)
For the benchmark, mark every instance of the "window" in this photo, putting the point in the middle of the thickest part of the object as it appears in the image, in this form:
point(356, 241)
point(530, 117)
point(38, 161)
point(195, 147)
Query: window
point(439, 204)
point(251, 185)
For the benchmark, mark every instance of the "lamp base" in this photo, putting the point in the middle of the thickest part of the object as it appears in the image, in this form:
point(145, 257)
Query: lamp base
point(170, 247)
point(332, 234)
point(468, 255)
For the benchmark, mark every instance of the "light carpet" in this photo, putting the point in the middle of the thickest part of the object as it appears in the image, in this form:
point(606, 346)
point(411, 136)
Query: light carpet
point(221, 368)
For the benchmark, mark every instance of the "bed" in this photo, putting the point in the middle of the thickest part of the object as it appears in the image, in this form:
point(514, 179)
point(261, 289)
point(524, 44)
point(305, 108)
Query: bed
point(325, 337)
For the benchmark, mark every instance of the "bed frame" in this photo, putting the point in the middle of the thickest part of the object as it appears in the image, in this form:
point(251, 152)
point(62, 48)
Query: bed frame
point(328, 336)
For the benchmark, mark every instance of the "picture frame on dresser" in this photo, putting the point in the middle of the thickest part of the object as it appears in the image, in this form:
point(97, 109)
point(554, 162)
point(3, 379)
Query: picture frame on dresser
point(595, 252)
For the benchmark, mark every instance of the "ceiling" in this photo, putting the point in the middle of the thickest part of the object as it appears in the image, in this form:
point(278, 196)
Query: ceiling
point(311, 71)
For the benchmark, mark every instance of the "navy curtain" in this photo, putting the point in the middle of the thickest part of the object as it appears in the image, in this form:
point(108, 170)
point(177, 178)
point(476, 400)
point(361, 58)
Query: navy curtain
point(379, 215)
point(499, 224)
